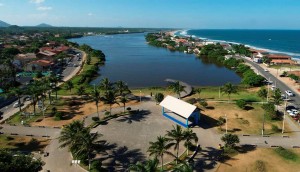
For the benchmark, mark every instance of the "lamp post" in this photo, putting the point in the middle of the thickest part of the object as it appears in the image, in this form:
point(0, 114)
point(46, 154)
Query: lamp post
point(268, 91)
point(219, 92)
point(140, 96)
point(263, 126)
point(226, 122)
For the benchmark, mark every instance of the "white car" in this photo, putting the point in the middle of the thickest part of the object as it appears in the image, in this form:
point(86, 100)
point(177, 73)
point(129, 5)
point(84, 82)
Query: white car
point(266, 70)
point(289, 93)
point(17, 104)
point(273, 88)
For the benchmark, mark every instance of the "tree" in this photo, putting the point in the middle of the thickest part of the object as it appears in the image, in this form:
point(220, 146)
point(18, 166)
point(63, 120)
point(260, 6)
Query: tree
point(69, 85)
point(96, 97)
point(123, 100)
point(14, 161)
point(189, 136)
point(121, 88)
point(177, 88)
point(53, 82)
point(270, 110)
point(183, 167)
point(221, 121)
point(159, 97)
point(263, 93)
point(241, 103)
point(176, 135)
point(198, 91)
point(203, 103)
point(110, 98)
point(69, 134)
point(148, 166)
point(81, 91)
point(18, 93)
point(266, 60)
point(230, 140)
point(105, 85)
point(159, 148)
point(229, 89)
point(35, 91)
point(277, 97)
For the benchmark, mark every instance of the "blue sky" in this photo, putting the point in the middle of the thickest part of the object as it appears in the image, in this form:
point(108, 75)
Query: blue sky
point(202, 14)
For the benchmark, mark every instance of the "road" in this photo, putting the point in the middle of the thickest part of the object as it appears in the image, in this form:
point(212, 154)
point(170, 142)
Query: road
point(68, 73)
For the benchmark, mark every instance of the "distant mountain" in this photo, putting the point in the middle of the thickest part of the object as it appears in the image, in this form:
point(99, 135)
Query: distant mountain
point(43, 25)
point(3, 24)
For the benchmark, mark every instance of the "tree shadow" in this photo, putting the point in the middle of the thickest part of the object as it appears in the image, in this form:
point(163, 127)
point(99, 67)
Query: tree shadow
point(207, 122)
point(247, 108)
point(210, 108)
point(137, 116)
point(207, 159)
point(120, 158)
point(245, 148)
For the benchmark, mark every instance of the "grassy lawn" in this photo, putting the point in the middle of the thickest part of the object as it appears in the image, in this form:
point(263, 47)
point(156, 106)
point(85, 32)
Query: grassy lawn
point(239, 121)
point(75, 79)
point(284, 66)
point(260, 160)
point(24, 143)
point(16, 119)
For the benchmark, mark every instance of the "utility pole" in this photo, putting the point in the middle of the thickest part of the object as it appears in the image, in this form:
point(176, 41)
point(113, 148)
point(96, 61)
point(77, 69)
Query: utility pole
point(219, 92)
point(140, 96)
point(226, 122)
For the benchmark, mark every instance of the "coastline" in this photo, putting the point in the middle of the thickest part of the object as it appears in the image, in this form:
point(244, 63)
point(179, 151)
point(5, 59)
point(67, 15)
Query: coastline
point(295, 56)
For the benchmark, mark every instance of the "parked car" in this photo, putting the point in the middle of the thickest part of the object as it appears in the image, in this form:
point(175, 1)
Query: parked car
point(17, 104)
point(266, 70)
point(289, 93)
point(273, 87)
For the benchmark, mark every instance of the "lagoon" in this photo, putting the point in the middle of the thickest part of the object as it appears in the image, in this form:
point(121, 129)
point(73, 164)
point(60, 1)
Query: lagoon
point(131, 59)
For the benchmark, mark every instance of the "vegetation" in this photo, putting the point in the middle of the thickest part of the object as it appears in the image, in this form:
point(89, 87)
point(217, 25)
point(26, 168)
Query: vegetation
point(159, 97)
point(229, 89)
point(241, 103)
point(177, 88)
point(286, 154)
point(14, 161)
point(230, 140)
point(260, 166)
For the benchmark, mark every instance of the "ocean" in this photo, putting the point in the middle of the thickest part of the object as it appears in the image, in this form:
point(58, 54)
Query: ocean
point(273, 41)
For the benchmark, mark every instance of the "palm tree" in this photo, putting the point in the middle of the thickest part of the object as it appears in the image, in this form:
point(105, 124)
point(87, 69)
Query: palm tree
point(105, 85)
point(68, 135)
point(69, 85)
point(176, 135)
point(35, 91)
point(198, 91)
point(123, 100)
point(81, 91)
point(189, 136)
point(96, 97)
point(149, 166)
point(18, 93)
point(159, 148)
point(277, 97)
point(85, 145)
point(177, 88)
point(229, 89)
point(263, 93)
point(53, 84)
point(110, 98)
point(183, 167)
point(121, 87)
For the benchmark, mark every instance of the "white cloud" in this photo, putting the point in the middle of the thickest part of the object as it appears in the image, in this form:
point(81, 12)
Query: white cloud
point(90, 14)
point(37, 1)
point(44, 8)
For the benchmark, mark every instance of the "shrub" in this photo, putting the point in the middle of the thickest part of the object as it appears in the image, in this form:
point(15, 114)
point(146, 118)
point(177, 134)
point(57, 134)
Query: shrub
point(203, 103)
point(286, 154)
point(53, 111)
point(260, 166)
point(107, 113)
point(192, 101)
point(275, 128)
point(95, 118)
point(58, 116)
point(241, 103)
point(159, 97)
point(230, 140)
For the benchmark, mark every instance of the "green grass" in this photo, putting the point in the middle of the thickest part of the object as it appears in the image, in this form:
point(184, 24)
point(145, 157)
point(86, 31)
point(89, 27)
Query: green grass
point(287, 154)
point(17, 118)
point(284, 66)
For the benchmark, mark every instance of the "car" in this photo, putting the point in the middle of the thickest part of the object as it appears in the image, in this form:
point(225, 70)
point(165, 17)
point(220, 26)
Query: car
point(17, 104)
point(75, 65)
point(290, 107)
point(289, 93)
point(273, 87)
point(266, 70)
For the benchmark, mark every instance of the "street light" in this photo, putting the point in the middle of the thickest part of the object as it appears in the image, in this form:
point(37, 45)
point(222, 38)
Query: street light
point(140, 96)
point(226, 122)
point(283, 118)
point(263, 126)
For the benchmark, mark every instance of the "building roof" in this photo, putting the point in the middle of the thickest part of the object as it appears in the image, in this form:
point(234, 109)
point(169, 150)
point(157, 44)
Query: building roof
point(278, 56)
point(283, 61)
point(47, 53)
point(42, 63)
point(180, 107)
point(26, 56)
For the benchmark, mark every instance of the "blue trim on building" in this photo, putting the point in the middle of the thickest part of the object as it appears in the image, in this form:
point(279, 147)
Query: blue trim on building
point(175, 120)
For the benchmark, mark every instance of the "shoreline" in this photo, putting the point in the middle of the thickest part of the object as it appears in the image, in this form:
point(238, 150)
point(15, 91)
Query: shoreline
point(295, 56)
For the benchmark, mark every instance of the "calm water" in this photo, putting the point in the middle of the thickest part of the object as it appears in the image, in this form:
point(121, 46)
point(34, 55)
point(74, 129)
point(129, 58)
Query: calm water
point(131, 59)
point(277, 41)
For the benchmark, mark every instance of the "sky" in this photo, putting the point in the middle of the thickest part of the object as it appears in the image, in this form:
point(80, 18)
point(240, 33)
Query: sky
point(196, 14)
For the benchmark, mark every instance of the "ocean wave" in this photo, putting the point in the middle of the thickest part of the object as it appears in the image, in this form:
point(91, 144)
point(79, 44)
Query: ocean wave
point(295, 55)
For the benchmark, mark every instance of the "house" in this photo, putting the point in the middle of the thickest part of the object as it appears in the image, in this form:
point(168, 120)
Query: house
point(280, 59)
point(39, 65)
point(22, 59)
point(47, 55)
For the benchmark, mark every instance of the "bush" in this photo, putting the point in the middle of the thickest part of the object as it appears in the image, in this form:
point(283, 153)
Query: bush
point(275, 128)
point(58, 116)
point(95, 118)
point(107, 113)
point(230, 140)
point(159, 97)
point(203, 103)
point(192, 101)
point(53, 111)
point(286, 154)
point(241, 103)
point(260, 166)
